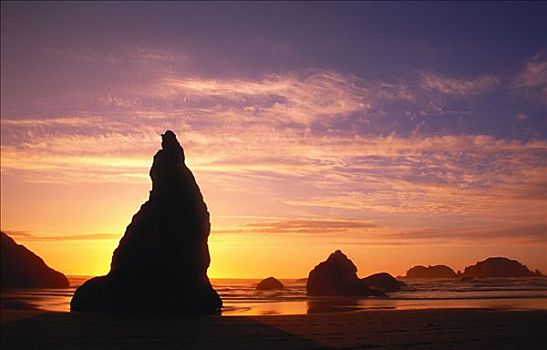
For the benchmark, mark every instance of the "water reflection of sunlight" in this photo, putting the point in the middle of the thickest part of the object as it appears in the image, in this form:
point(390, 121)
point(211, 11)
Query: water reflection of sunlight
point(322, 305)
point(241, 298)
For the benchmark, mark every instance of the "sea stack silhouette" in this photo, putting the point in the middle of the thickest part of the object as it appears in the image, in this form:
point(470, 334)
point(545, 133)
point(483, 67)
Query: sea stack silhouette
point(435, 271)
point(160, 265)
point(337, 276)
point(498, 267)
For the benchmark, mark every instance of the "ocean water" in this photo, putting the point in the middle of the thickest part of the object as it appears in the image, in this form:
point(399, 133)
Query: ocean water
point(241, 298)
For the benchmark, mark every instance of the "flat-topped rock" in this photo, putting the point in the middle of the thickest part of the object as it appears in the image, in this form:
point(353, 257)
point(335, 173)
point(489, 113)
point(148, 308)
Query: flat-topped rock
point(498, 267)
point(383, 282)
point(435, 271)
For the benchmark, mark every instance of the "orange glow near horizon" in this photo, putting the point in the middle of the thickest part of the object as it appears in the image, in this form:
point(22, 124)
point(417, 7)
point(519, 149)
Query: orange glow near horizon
point(232, 260)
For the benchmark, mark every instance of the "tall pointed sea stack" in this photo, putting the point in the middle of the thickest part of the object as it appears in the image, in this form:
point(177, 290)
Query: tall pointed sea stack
point(160, 265)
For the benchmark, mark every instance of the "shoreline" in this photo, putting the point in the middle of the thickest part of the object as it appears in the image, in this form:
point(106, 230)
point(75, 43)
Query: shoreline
point(429, 328)
point(309, 305)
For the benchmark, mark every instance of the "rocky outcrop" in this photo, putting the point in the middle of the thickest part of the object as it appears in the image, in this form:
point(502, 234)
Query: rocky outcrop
point(497, 267)
point(160, 264)
point(383, 282)
point(435, 271)
point(337, 276)
point(21, 268)
point(269, 283)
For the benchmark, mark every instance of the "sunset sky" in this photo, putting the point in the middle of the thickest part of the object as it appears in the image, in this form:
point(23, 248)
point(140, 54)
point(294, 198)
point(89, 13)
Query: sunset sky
point(400, 133)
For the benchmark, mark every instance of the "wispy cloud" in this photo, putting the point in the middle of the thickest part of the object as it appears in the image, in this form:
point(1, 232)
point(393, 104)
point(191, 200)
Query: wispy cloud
point(472, 176)
point(533, 77)
point(121, 56)
point(458, 88)
point(289, 97)
point(368, 232)
point(28, 236)
point(302, 226)
point(87, 55)
point(50, 122)
point(535, 233)
point(305, 140)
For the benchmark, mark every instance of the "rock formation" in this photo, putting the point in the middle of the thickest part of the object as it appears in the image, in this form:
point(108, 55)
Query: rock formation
point(436, 271)
point(160, 264)
point(337, 276)
point(21, 268)
point(383, 282)
point(497, 267)
point(269, 283)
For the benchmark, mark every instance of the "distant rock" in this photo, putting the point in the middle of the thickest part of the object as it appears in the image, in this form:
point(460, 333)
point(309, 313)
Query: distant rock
point(160, 265)
point(436, 271)
point(337, 276)
point(269, 283)
point(497, 267)
point(383, 282)
point(21, 268)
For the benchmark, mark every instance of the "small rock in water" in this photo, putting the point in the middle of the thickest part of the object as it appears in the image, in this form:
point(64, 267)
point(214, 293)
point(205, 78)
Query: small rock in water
point(383, 282)
point(269, 283)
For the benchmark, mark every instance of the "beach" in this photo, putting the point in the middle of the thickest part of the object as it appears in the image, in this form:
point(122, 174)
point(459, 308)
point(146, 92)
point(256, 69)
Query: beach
point(416, 329)
point(435, 314)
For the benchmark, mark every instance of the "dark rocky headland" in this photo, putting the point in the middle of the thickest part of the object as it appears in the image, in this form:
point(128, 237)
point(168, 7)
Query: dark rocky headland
point(498, 267)
point(21, 268)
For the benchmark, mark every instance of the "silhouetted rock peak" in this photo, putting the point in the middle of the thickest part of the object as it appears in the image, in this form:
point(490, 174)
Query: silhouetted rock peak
point(269, 283)
point(497, 267)
point(21, 268)
point(169, 143)
point(383, 282)
point(337, 276)
point(341, 263)
point(435, 271)
point(160, 265)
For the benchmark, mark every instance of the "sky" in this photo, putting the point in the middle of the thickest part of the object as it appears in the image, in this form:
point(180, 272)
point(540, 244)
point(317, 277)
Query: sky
point(401, 133)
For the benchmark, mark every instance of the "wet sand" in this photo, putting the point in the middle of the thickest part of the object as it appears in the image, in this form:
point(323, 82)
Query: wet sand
point(415, 329)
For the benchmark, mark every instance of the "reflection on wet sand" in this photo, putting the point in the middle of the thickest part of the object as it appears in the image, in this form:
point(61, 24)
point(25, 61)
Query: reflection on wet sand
point(332, 304)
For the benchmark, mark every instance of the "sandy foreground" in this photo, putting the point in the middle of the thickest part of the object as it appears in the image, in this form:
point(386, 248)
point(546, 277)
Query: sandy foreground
point(416, 329)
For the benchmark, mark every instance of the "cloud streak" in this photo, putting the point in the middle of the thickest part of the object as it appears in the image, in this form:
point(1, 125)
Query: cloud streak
point(27, 236)
point(532, 79)
point(137, 54)
point(302, 226)
point(458, 88)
